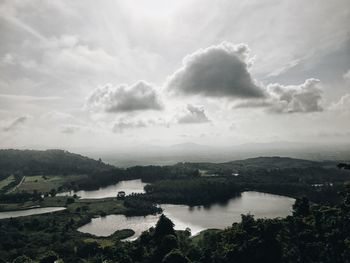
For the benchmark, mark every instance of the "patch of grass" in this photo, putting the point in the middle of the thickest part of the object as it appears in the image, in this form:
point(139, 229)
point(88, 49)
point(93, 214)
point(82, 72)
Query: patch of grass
point(109, 241)
point(98, 206)
point(46, 183)
point(200, 236)
point(7, 181)
point(17, 206)
point(91, 207)
point(102, 242)
point(47, 202)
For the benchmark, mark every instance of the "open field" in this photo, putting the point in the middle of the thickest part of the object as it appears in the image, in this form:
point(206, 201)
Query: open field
point(98, 206)
point(200, 236)
point(46, 183)
point(7, 181)
point(109, 241)
point(88, 206)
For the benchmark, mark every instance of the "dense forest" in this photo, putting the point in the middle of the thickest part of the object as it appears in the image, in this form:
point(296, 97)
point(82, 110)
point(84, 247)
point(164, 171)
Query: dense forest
point(49, 162)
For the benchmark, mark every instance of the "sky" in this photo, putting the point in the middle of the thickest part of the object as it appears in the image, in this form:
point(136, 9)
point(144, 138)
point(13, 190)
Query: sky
point(116, 73)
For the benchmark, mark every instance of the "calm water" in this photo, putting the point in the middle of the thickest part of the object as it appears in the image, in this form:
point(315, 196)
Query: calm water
point(131, 186)
point(28, 212)
point(198, 218)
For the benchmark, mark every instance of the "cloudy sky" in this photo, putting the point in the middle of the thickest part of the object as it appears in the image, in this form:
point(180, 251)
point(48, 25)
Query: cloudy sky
point(112, 73)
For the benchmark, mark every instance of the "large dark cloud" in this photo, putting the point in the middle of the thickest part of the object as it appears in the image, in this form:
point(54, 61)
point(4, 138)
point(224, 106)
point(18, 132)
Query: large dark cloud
point(140, 96)
point(193, 114)
point(217, 71)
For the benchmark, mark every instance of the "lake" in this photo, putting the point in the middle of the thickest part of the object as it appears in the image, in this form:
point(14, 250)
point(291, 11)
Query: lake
point(28, 212)
point(198, 218)
point(129, 187)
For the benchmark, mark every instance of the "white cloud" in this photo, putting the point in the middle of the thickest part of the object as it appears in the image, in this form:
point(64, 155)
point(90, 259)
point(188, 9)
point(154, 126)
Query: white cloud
point(296, 98)
point(140, 96)
point(303, 98)
point(122, 125)
point(216, 71)
point(343, 104)
point(347, 75)
point(70, 129)
point(193, 114)
point(8, 59)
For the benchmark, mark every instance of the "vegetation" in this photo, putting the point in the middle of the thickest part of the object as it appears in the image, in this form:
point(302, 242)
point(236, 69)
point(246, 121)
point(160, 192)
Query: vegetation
point(318, 230)
point(314, 233)
point(197, 191)
point(49, 162)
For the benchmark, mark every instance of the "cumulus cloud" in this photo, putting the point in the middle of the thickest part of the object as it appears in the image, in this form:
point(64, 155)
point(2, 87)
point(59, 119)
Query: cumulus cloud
point(123, 98)
point(70, 129)
point(296, 98)
point(193, 114)
point(15, 124)
point(216, 71)
point(122, 125)
point(253, 104)
point(343, 103)
point(302, 98)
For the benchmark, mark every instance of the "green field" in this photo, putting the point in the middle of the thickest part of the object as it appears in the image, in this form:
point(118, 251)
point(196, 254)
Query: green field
point(201, 235)
point(7, 181)
point(46, 183)
point(98, 206)
point(109, 241)
point(88, 206)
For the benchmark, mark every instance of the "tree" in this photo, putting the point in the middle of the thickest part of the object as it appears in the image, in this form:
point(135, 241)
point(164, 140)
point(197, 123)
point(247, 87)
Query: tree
point(175, 256)
point(301, 207)
point(49, 257)
point(22, 259)
point(163, 228)
point(168, 244)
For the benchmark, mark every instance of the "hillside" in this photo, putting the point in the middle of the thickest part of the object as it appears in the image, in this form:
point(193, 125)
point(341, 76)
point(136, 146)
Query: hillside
point(49, 162)
point(274, 162)
point(258, 163)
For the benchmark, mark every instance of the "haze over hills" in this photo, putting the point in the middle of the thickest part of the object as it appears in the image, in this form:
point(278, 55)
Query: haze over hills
point(192, 152)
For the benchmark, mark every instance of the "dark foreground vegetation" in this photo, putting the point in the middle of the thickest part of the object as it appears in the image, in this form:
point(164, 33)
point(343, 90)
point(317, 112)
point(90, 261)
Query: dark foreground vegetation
point(318, 230)
point(314, 233)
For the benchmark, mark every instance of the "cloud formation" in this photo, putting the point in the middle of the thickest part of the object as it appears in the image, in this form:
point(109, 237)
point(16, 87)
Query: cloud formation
point(296, 98)
point(70, 129)
point(193, 114)
point(122, 125)
point(343, 104)
point(15, 124)
point(347, 75)
point(137, 97)
point(216, 71)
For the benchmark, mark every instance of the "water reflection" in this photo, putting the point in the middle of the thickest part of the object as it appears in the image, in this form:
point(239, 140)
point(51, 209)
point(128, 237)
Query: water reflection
point(129, 187)
point(198, 218)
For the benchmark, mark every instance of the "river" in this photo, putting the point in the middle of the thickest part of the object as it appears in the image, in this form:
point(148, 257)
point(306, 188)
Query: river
point(129, 187)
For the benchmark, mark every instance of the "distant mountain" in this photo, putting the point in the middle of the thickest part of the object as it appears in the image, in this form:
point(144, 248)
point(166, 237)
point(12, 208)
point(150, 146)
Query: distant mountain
point(274, 162)
point(194, 152)
point(262, 163)
point(31, 162)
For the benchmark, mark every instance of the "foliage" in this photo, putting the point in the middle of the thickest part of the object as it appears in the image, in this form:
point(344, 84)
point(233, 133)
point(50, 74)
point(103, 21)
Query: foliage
point(192, 191)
